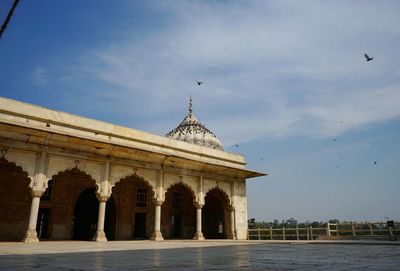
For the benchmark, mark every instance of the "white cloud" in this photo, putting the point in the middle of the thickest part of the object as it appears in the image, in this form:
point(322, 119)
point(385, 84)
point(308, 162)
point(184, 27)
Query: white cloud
point(271, 69)
point(39, 77)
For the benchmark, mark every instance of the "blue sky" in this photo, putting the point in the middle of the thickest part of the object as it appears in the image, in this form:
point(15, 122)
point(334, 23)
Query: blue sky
point(282, 79)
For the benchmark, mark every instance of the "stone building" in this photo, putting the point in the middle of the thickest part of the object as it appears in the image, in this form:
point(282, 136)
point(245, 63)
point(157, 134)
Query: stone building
point(66, 177)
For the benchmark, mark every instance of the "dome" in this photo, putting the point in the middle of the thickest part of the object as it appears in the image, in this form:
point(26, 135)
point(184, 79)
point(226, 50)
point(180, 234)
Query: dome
point(192, 131)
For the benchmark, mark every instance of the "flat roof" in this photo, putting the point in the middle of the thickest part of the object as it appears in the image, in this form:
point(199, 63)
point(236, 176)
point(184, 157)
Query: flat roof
point(51, 122)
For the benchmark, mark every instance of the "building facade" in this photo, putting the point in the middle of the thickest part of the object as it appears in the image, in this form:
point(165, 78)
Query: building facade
point(66, 177)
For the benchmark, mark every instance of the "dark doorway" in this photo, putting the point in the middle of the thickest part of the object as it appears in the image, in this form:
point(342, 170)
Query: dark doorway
point(111, 218)
point(214, 220)
point(42, 224)
point(140, 226)
point(85, 215)
point(176, 226)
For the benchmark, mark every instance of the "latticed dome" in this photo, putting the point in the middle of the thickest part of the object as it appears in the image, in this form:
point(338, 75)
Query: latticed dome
point(192, 131)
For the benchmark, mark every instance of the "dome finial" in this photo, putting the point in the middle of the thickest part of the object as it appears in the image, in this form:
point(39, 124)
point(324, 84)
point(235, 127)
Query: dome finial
point(192, 131)
point(190, 106)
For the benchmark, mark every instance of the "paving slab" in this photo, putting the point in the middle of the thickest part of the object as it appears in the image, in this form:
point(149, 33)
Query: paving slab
point(195, 255)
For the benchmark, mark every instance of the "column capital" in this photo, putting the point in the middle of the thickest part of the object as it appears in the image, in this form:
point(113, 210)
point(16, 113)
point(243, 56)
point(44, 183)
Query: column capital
point(37, 193)
point(158, 202)
point(198, 205)
point(102, 198)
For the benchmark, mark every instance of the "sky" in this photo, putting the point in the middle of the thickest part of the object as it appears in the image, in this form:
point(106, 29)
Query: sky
point(286, 81)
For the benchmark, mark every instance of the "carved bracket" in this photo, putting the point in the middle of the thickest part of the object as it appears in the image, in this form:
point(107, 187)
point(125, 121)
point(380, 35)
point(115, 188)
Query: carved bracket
point(3, 152)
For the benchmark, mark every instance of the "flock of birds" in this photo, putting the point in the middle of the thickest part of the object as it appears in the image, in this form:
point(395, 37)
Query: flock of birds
point(367, 58)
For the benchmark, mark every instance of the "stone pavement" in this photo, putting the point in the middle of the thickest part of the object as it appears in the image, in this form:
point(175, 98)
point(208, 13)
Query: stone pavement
point(200, 255)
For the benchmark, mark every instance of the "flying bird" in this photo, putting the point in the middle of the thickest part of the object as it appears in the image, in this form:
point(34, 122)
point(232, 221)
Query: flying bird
point(335, 139)
point(199, 83)
point(375, 162)
point(368, 58)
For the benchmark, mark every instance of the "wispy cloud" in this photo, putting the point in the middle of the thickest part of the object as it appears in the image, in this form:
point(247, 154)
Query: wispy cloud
point(39, 77)
point(271, 69)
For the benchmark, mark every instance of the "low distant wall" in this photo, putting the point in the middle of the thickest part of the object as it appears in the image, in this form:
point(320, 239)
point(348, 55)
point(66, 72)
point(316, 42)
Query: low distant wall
point(332, 231)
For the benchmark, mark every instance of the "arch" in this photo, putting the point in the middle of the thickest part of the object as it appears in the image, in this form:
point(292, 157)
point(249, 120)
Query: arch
point(67, 187)
point(187, 186)
point(218, 186)
point(15, 201)
point(134, 200)
point(25, 159)
point(216, 219)
point(178, 214)
point(74, 171)
point(223, 193)
point(142, 179)
point(58, 165)
point(120, 172)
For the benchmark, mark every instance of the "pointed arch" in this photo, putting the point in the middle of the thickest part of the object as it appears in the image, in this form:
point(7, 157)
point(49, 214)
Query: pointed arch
point(221, 186)
point(67, 186)
point(226, 197)
point(216, 215)
point(15, 201)
point(140, 179)
point(17, 168)
point(77, 173)
point(178, 215)
point(134, 200)
point(188, 188)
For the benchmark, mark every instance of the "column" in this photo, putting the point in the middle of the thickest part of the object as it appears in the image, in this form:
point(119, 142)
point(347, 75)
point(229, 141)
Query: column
point(102, 195)
point(100, 235)
point(233, 232)
point(31, 234)
point(157, 235)
point(198, 235)
point(158, 201)
point(39, 181)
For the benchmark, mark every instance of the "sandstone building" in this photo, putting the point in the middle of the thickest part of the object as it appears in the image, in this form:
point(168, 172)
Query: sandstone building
point(66, 177)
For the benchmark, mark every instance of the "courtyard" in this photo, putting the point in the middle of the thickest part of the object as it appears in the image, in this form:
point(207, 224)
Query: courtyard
point(203, 255)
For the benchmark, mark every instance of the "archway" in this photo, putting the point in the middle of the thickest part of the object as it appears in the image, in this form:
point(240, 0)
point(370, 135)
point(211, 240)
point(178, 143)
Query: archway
point(85, 215)
point(178, 214)
point(216, 222)
point(15, 201)
point(135, 208)
point(67, 190)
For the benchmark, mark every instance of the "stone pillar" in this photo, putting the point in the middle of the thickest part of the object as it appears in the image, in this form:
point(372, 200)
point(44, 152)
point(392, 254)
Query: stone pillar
point(233, 231)
point(31, 234)
point(39, 181)
point(157, 235)
point(199, 234)
point(100, 235)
